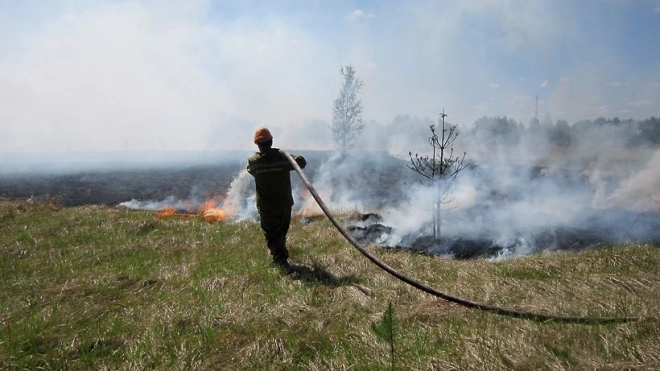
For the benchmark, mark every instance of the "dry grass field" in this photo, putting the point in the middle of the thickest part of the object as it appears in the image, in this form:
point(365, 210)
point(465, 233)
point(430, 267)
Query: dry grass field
point(97, 287)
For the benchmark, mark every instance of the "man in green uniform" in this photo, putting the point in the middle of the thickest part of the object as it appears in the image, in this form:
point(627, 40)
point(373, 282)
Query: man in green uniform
point(270, 170)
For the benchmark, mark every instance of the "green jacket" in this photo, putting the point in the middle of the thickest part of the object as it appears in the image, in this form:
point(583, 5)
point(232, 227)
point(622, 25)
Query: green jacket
point(270, 170)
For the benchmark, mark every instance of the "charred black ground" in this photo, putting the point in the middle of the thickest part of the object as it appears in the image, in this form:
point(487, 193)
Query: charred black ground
point(553, 239)
point(112, 186)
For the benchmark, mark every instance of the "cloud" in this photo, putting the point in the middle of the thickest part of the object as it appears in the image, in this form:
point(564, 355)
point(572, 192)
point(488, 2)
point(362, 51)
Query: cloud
point(640, 103)
point(359, 14)
point(544, 83)
point(597, 110)
point(614, 84)
point(564, 79)
point(522, 98)
point(657, 9)
point(493, 86)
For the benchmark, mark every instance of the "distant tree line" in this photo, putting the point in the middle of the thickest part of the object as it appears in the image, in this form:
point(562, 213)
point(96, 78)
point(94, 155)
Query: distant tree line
point(559, 133)
point(348, 130)
point(405, 132)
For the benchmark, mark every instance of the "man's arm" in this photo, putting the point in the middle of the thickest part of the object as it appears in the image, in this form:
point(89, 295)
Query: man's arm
point(300, 161)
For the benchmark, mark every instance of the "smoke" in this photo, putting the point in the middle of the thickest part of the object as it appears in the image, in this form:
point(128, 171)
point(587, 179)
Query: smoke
point(171, 201)
point(523, 193)
point(237, 204)
point(520, 193)
point(502, 206)
point(515, 210)
point(640, 192)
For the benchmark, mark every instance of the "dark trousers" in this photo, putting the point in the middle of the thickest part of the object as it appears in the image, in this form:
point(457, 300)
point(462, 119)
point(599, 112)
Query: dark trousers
point(275, 225)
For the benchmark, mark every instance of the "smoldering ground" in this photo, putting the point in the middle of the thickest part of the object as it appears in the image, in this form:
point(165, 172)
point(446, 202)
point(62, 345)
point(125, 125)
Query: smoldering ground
point(528, 194)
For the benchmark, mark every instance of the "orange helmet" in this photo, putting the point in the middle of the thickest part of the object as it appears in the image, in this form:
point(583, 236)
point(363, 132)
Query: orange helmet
point(261, 135)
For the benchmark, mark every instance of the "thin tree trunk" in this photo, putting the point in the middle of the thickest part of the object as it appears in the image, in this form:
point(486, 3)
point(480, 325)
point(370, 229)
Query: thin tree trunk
point(438, 217)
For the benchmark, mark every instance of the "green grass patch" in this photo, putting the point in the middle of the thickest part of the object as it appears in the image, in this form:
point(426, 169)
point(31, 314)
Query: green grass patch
point(101, 288)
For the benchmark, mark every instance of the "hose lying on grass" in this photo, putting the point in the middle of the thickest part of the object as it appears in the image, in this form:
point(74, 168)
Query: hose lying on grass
point(421, 286)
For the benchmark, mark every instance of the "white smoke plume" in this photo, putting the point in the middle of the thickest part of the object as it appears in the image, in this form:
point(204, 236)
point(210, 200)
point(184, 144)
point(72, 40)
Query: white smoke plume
point(513, 198)
point(641, 191)
point(237, 204)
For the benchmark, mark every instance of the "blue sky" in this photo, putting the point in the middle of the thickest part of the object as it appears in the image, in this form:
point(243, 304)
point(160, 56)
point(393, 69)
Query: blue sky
point(172, 75)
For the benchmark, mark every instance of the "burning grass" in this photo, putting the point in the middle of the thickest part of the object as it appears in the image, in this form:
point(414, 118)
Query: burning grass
point(105, 288)
point(211, 210)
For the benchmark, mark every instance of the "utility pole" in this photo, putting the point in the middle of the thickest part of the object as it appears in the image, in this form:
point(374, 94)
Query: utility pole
point(536, 112)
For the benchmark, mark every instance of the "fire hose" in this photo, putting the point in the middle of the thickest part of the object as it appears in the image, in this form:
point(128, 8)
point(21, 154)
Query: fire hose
point(454, 299)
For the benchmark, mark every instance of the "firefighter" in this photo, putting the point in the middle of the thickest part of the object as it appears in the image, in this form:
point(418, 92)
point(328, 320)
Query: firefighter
point(270, 170)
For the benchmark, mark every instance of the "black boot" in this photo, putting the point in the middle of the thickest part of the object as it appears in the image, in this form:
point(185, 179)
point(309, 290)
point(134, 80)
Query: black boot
point(283, 265)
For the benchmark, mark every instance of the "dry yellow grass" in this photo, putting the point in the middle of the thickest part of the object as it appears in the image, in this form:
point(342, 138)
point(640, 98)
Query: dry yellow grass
point(101, 288)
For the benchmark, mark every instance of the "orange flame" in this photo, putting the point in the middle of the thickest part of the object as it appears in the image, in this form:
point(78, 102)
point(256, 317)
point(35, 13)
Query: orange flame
point(208, 205)
point(310, 207)
point(168, 211)
point(210, 210)
point(214, 215)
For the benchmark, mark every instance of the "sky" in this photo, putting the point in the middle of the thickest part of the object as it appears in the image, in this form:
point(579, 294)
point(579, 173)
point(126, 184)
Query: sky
point(168, 75)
